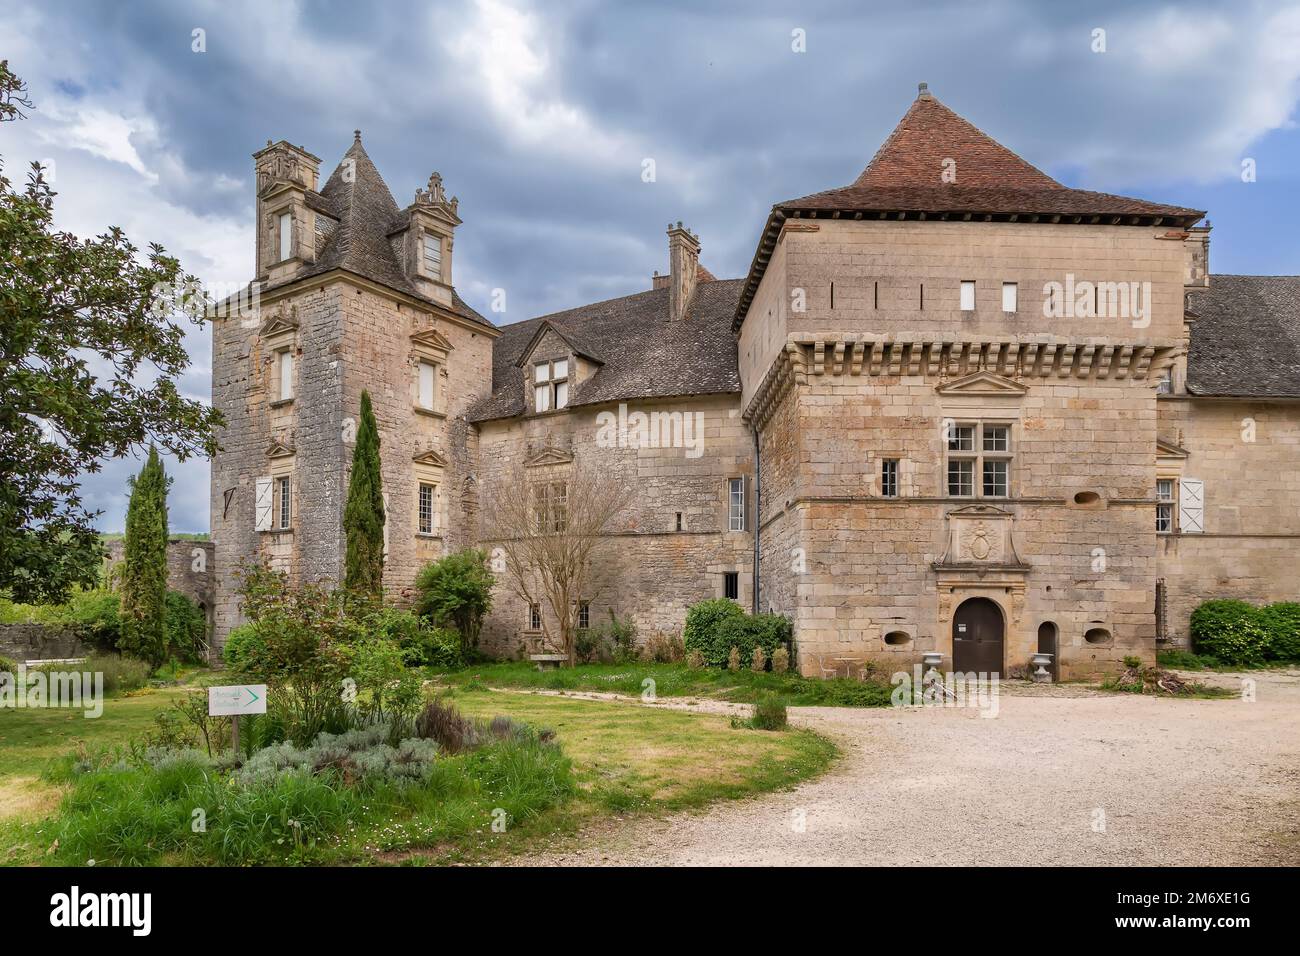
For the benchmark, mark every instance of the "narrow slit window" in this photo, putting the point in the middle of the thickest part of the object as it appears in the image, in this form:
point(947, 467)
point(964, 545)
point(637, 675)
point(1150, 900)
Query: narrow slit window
point(285, 501)
point(286, 374)
point(736, 504)
point(731, 585)
point(534, 617)
point(433, 257)
point(428, 514)
point(286, 236)
point(584, 615)
point(428, 385)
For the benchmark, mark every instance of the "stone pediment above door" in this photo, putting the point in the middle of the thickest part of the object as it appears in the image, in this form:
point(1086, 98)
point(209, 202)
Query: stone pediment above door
point(981, 538)
point(984, 384)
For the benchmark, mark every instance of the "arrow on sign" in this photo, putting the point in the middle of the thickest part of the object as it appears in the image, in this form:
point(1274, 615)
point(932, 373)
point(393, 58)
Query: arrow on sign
point(252, 698)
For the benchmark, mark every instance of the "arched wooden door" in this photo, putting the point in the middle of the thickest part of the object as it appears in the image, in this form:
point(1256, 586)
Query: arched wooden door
point(977, 637)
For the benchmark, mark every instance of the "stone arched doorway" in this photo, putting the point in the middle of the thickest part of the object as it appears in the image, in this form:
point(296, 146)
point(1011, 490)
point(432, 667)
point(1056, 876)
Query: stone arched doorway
point(978, 637)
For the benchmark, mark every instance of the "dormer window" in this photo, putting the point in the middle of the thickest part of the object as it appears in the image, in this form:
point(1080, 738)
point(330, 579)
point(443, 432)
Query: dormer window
point(432, 256)
point(286, 235)
point(550, 385)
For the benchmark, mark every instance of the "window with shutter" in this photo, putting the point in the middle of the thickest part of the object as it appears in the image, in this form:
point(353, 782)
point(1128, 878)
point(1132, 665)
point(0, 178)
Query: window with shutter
point(1191, 506)
point(263, 504)
point(428, 382)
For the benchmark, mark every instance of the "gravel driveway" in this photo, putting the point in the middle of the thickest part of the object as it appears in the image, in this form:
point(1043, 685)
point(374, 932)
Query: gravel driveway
point(1062, 778)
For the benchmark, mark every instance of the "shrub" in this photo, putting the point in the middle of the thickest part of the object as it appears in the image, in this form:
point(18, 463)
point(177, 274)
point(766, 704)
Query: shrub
point(733, 660)
point(694, 659)
point(1282, 621)
point(1232, 631)
point(243, 645)
point(446, 726)
point(1177, 658)
point(303, 633)
point(95, 616)
point(749, 632)
point(456, 591)
point(769, 714)
point(438, 647)
point(391, 692)
point(663, 648)
point(760, 660)
point(8, 665)
point(186, 628)
point(780, 660)
point(120, 673)
point(613, 642)
point(701, 630)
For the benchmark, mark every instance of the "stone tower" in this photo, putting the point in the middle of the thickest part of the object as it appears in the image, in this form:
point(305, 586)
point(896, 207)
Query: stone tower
point(351, 292)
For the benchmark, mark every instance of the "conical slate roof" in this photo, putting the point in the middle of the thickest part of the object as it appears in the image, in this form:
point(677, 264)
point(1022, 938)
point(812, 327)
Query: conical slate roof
point(357, 197)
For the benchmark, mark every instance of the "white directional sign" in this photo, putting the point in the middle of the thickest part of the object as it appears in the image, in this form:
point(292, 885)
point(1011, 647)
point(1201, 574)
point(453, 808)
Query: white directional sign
point(237, 699)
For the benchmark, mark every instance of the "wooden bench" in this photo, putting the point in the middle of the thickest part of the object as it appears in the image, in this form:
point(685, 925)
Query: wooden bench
point(543, 661)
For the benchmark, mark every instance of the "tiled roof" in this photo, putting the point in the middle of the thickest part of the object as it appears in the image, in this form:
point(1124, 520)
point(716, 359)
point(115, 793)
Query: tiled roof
point(366, 213)
point(984, 179)
point(644, 353)
point(1245, 337)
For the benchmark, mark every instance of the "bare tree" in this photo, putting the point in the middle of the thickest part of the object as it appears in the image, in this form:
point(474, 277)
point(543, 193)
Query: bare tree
point(543, 525)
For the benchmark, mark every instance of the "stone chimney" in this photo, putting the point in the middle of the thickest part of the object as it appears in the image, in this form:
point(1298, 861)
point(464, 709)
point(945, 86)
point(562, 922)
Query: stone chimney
point(683, 262)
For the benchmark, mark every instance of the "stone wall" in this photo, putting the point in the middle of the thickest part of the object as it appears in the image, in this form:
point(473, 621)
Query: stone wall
point(647, 570)
point(1248, 455)
point(36, 642)
point(190, 569)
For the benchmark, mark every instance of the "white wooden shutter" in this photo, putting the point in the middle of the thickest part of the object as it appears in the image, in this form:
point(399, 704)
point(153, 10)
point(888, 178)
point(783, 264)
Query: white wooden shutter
point(1191, 506)
point(263, 504)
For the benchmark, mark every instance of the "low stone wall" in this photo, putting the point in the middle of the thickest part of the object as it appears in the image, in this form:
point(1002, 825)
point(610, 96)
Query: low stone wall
point(31, 642)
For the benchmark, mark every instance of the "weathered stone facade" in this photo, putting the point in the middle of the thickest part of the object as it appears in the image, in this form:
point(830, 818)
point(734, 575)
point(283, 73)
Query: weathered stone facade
point(927, 390)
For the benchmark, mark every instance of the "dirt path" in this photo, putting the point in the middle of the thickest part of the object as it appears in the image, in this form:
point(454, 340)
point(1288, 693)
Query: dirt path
point(1112, 779)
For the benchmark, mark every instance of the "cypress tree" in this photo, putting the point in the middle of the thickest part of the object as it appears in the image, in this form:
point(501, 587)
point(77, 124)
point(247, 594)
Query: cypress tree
point(144, 565)
point(363, 516)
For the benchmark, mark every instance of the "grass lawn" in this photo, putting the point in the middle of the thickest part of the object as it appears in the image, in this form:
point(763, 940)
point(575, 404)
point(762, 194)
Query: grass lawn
point(676, 680)
point(1185, 660)
point(626, 759)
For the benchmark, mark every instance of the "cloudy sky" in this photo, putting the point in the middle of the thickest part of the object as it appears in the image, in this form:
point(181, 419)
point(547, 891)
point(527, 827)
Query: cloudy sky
point(540, 118)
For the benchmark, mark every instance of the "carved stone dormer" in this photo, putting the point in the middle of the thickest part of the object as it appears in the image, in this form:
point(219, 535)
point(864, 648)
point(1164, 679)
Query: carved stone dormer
point(286, 224)
point(425, 235)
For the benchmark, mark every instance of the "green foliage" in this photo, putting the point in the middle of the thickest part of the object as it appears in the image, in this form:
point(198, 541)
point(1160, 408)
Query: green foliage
point(68, 303)
point(144, 565)
point(1178, 658)
point(8, 665)
point(243, 645)
point(334, 799)
point(1237, 634)
point(612, 642)
point(120, 673)
point(421, 642)
point(186, 628)
point(1282, 622)
point(769, 714)
point(751, 632)
point(438, 647)
point(300, 651)
point(363, 515)
point(700, 632)
point(388, 692)
point(456, 591)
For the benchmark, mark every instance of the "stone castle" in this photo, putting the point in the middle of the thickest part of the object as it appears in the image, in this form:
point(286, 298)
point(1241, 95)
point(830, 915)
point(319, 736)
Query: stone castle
point(954, 406)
